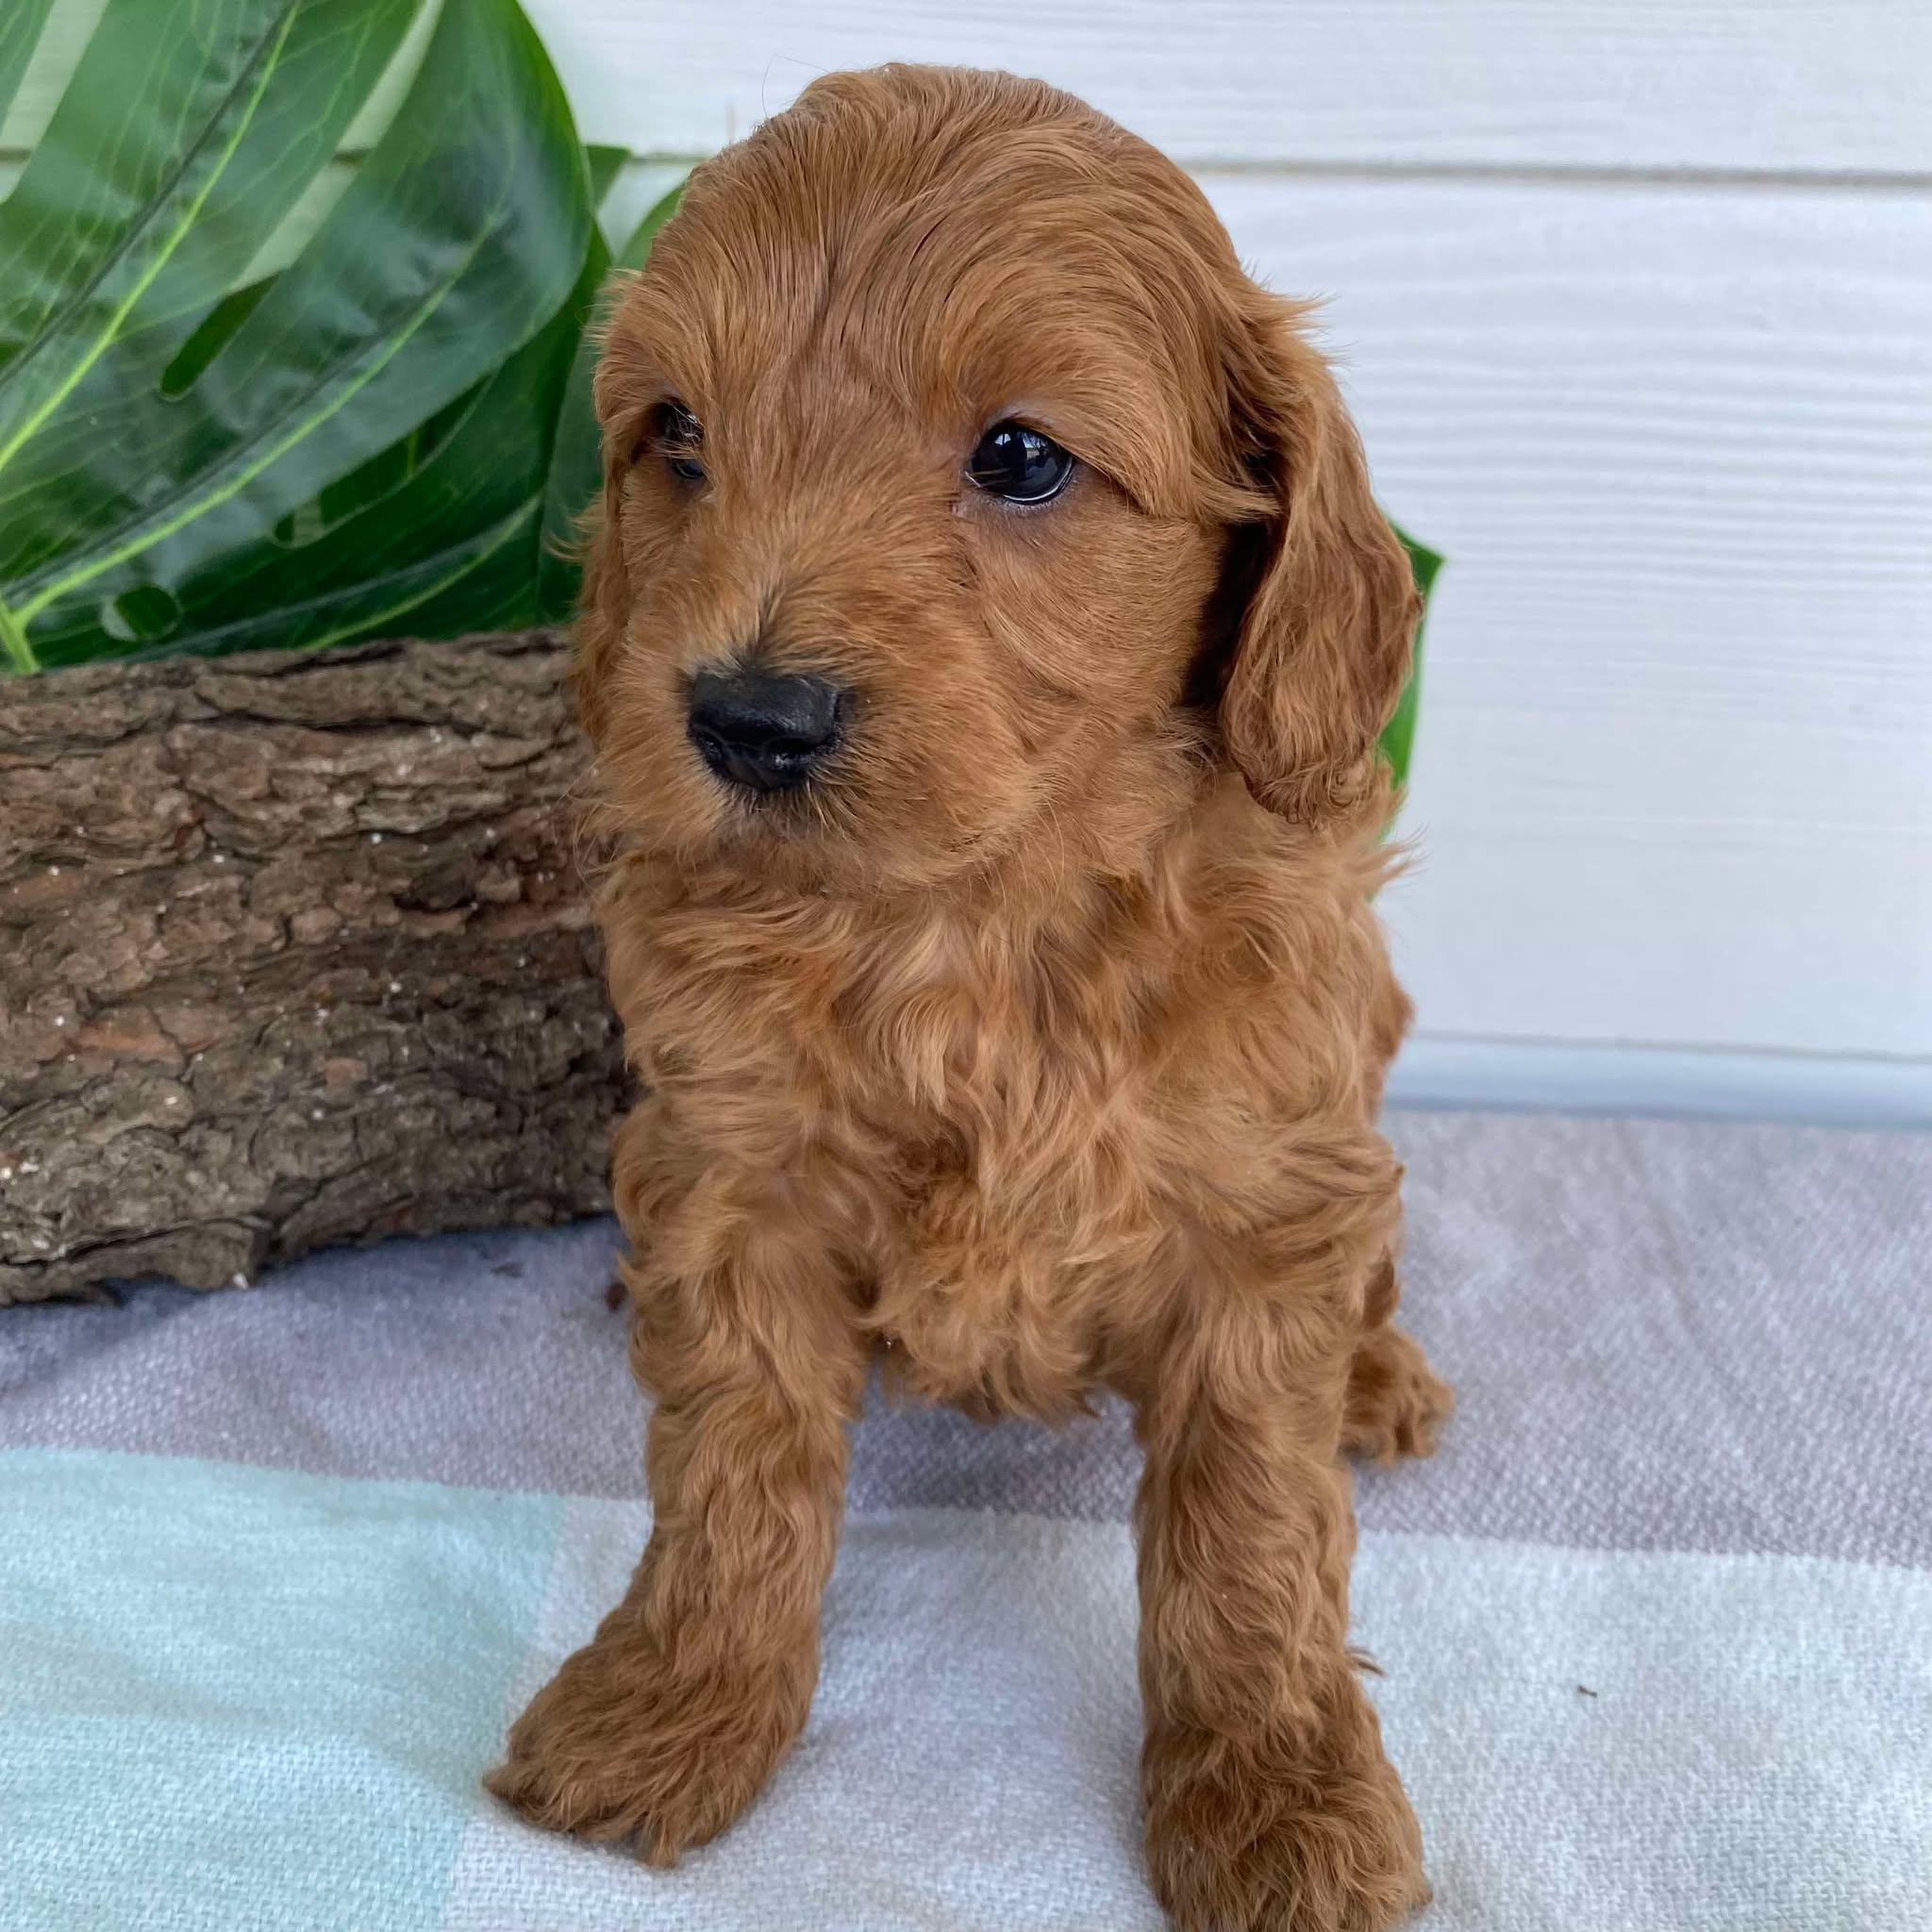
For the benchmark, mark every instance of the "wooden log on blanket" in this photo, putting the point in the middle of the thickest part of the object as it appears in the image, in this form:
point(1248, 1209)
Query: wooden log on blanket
point(293, 950)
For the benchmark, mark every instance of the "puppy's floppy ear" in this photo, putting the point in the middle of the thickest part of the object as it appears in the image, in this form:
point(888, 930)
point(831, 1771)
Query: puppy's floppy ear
point(1327, 599)
point(604, 600)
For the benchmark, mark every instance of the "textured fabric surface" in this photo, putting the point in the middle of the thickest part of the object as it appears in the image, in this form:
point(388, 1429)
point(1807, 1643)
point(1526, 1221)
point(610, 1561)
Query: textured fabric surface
point(1698, 1743)
point(277, 1566)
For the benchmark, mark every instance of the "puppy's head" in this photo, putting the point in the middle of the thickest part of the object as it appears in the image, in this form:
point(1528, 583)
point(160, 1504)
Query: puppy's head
point(959, 486)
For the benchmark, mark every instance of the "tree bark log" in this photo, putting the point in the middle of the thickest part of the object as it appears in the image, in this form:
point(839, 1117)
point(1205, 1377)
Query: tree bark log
point(293, 950)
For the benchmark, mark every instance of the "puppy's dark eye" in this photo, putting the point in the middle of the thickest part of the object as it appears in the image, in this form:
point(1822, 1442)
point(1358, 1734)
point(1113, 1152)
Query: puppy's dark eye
point(678, 437)
point(1019, 465)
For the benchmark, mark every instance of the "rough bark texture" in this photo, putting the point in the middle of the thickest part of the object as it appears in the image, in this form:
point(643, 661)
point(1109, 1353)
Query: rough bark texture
point(293, 950)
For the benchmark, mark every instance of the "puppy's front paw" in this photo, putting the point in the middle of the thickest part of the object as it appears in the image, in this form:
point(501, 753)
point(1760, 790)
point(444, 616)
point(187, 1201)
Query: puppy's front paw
point(1396, 1402)
point(1242, 1838)
point(614, 1748)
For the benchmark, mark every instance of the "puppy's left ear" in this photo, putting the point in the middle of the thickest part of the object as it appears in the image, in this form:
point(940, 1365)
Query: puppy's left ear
point(1327, 600)
point(603, 604)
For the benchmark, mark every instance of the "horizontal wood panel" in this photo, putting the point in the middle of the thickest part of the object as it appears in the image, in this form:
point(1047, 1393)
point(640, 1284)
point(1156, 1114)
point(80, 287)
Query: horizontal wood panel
point(1714, 935)
point(1697, 423)
point(1774, 86)
point(1675, 765)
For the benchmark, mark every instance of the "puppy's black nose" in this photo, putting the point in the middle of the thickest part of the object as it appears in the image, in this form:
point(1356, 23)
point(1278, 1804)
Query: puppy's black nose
point(763, 731)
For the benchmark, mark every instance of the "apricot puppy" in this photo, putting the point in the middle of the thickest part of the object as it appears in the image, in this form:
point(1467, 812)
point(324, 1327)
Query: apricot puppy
point(987, 631)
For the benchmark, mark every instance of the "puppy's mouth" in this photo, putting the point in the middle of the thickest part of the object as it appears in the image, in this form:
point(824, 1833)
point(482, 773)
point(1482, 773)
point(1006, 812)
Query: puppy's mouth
point(764, 733)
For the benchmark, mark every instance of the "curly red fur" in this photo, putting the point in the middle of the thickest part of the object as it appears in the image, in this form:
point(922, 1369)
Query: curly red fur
point(1038, 1047)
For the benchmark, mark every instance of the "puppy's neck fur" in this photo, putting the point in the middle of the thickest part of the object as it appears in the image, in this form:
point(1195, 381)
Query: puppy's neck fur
point(1074, 935)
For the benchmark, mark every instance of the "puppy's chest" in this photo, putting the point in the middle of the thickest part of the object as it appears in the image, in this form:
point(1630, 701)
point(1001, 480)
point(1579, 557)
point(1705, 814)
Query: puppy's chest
point(1019, 1083)
point(1015, 1160)
point(1007, 1146)
point(1040, 1098)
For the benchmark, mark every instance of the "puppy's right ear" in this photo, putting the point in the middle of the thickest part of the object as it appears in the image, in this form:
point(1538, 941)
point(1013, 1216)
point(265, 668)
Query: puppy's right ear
point(604, 600)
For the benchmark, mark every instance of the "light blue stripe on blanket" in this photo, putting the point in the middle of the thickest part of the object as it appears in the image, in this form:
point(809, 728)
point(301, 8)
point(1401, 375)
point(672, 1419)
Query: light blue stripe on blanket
point(248, 1698)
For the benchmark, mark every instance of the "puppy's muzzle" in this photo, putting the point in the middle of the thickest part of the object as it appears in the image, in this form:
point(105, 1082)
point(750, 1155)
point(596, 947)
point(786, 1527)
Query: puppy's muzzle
point(764, 732)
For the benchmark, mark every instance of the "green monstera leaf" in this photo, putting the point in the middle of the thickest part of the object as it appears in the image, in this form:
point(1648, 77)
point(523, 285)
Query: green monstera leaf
point(359, 443)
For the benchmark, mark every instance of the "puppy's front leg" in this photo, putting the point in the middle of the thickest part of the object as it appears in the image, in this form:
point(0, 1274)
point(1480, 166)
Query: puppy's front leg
point(1269, 1802)
point(663, 1728)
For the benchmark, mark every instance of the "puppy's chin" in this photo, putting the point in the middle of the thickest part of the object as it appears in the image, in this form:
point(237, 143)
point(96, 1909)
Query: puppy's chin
point(844, 832)
point(819, 842)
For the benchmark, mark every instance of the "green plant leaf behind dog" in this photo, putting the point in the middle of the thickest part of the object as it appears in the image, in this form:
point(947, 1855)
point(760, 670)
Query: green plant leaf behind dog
point(1398, 734)
point(359, 443)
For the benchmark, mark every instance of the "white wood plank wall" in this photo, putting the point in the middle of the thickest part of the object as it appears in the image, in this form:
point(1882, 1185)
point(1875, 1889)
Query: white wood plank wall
point(1635, 307)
